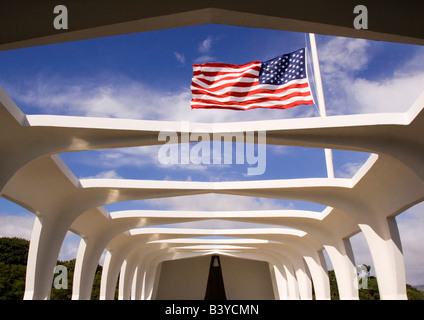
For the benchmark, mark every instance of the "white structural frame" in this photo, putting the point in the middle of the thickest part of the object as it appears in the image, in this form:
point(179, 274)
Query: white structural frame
point(391, 181)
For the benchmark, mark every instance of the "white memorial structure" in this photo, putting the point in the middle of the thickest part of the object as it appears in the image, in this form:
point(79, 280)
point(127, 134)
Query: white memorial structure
point(284, 262)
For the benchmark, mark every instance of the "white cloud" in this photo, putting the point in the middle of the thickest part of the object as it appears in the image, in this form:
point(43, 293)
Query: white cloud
point(110, 174)
point(342, 58)
point(113, 96)
point(204, 59)
point(411, 226)
point(134, 157)
point(205, 49)
point(340, 55)
point(117, 96)
point(16, 226)
point(21, 225)
point(69, 247)
point(392, 95)
point(210, 202)
point(279, 150)
point(348, 170)
point(361, 251)
point(180, 57)
point(216, 202)
point(206, 45)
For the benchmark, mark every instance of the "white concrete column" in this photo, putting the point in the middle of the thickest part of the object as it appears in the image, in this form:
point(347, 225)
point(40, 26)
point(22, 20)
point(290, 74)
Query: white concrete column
point(111, 267)
point(88, 256)
point(385, 247)
point(286, 268)
point(126, 275)
point(285, 273)
point(123, 276)
point(304, 283)
point(157, 278)
point(47, 237)
point(303, 280)
point(76, 283)
point(274, 282)
point(133, 283)
point(317, 267)
point(310, 268)
point(140, 257)
point(279, 282)
point(140, 260)
point(319, 273)
point(344, 269)
point(106, 292)
point(89, 253)
point(292, 284)
point(140, 281)
point(150, 276)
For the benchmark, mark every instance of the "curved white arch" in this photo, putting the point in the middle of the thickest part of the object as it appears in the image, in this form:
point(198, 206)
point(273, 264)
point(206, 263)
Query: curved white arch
point(34, 177)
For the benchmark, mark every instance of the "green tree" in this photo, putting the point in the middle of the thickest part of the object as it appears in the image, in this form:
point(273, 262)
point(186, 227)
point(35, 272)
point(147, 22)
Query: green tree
point(371, 293)
point(414, 293)
point(64, 294)
point(12, 281)
point(14, 251)
point(13, 260)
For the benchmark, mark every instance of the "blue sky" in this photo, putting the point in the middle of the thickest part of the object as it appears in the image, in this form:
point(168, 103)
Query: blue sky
point(148, 76)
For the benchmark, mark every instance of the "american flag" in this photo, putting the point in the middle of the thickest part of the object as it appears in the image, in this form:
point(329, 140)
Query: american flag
point(279, 83)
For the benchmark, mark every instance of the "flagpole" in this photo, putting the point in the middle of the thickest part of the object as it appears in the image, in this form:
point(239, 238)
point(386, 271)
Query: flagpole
point(321, 100)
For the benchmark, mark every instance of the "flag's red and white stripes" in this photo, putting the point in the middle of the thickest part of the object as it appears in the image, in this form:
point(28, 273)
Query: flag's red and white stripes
point(237, 87)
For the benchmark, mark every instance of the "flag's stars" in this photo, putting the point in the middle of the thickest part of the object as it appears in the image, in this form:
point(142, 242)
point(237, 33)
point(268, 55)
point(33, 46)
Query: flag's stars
point(282, 69)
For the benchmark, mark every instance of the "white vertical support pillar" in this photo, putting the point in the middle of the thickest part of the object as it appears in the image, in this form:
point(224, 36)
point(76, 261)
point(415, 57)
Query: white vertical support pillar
point(321, 100)
point(89, 253)
point(76, 283)
point(47, 237)
point(293, 287)
point(134, 283)
point(150, 276)
point(130, 264)
point(303, 279)
point(318, 269)
point(281, 282)
point(123, 276)
point(304, 282)
point(140, 293)
point(344, 270)
point(156, 282)
point(274, 282)
point(385, 247)
point(104, 280)
point(111, 268)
